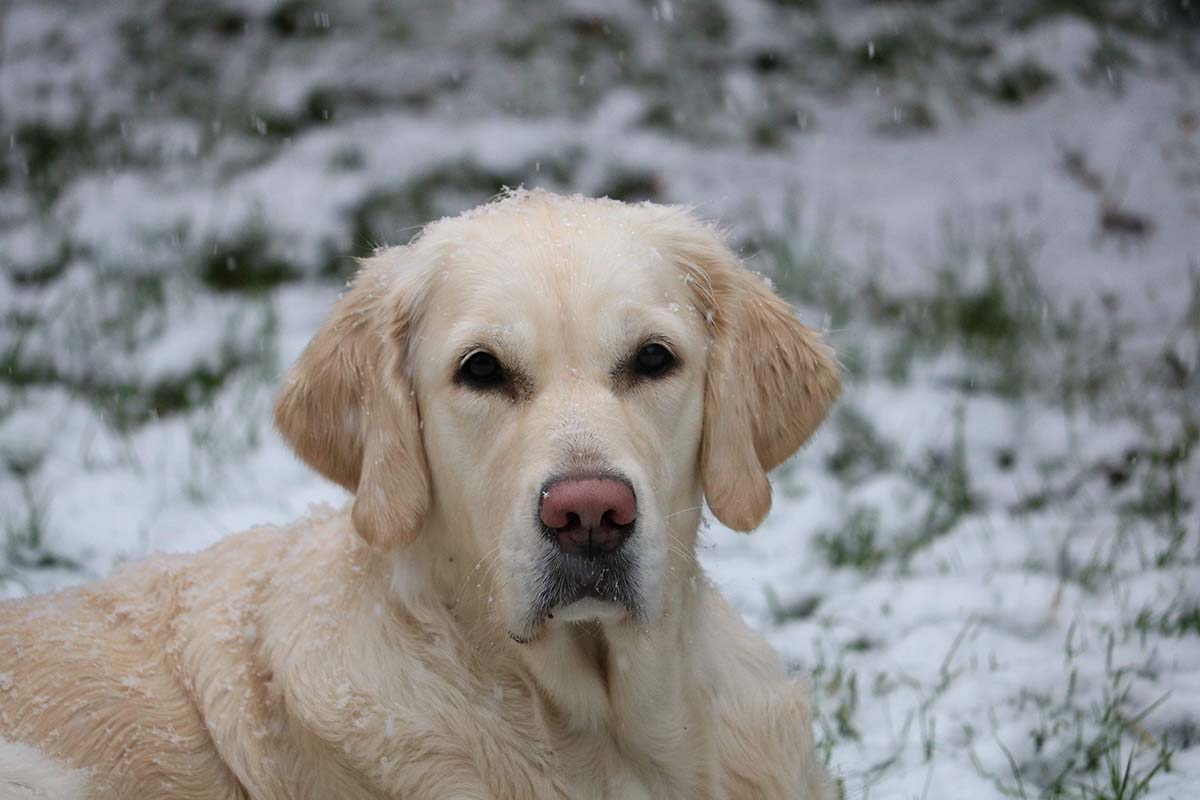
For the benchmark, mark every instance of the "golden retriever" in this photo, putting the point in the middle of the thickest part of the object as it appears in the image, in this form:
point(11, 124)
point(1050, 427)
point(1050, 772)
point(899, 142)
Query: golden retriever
point(530, 403)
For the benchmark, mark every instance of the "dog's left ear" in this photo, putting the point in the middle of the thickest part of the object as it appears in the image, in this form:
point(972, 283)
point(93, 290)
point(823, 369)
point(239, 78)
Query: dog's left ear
point(348, 410)
point(770, 382)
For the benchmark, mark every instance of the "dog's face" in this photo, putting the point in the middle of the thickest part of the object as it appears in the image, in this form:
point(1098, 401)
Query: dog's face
point(555, 382)
point(559, 369)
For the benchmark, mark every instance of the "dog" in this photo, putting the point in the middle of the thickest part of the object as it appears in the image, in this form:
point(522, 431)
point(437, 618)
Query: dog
point(530, 404)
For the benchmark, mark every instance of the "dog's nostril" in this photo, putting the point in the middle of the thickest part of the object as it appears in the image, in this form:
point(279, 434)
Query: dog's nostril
point(589, 516)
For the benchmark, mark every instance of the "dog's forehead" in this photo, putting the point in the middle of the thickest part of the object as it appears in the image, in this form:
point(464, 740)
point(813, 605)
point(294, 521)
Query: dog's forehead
point(535, 266)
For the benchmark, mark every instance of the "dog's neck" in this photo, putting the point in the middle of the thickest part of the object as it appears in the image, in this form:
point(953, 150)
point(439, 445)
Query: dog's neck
point(599, 672)
point(593, 674)
point(622, 697)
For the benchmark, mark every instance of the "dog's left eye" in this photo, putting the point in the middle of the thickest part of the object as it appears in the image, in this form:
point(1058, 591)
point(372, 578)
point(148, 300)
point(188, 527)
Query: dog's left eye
point(481, 370)
point(653, 359)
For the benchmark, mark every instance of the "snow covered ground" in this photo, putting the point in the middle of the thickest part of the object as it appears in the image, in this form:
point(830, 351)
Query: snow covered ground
point(988, 561)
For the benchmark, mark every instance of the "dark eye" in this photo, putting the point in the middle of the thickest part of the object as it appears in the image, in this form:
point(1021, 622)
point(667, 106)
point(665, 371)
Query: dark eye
point(652, 360)
point(481, 370)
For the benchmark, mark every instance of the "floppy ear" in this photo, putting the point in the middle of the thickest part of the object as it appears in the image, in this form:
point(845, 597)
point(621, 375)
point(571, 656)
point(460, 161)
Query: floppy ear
point(769, 384)
point(347, 410)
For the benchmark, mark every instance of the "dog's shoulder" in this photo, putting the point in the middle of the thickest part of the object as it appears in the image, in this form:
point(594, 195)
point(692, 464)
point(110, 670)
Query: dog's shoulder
point(763, 716)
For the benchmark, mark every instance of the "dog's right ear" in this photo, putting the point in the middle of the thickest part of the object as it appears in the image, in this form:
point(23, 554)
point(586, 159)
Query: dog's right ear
point(347, 408)
point(770, 381)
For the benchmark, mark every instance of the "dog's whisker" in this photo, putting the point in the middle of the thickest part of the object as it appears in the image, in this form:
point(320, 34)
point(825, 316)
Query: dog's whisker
point(684, 511)
point(488, 556)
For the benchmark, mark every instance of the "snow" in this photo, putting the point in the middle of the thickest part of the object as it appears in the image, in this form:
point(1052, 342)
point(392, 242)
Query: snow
point(994, 645)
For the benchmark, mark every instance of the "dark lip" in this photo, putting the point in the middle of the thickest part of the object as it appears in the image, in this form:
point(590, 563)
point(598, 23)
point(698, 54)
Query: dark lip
point(565, 579)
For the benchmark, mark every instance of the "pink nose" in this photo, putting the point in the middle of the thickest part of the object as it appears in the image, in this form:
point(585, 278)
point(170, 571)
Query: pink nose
point(589, 516)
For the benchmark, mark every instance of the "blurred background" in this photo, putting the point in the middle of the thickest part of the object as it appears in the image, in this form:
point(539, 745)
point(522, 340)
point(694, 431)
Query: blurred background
point(988, 561)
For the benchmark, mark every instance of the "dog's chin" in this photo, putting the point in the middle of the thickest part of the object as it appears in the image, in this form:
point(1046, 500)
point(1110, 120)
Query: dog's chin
point(589, 609)
point(585, 609)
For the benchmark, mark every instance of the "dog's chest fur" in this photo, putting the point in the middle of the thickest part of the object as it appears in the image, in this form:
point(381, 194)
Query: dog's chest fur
point(574, 714)
point(273, 666)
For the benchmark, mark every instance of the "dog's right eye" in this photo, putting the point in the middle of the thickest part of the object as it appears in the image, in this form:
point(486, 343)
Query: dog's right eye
point(481, 370)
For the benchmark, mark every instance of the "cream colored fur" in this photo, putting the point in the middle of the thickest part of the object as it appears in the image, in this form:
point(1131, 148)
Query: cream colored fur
point(390, 649)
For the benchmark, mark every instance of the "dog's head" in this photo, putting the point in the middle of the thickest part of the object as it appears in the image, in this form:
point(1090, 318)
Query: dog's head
point(554, 382)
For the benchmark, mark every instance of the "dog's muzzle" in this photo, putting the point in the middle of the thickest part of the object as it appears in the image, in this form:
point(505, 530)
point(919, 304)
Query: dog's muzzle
point(589, 521)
